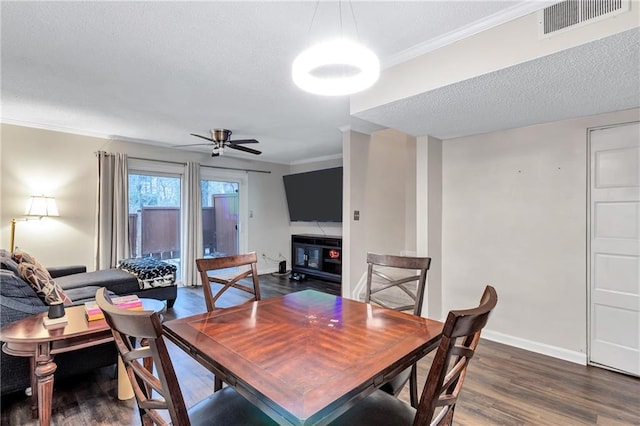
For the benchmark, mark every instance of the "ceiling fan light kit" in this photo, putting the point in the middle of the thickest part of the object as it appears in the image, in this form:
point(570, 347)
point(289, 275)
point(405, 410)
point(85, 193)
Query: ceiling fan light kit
point(335, 68)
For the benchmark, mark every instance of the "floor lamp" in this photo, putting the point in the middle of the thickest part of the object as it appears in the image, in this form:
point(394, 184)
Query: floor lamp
point(38, 207)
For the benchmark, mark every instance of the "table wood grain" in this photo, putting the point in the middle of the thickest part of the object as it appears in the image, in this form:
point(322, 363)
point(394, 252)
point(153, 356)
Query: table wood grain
point(306, 357)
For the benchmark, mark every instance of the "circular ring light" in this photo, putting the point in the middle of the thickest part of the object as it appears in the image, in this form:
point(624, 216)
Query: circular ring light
point(358, 68)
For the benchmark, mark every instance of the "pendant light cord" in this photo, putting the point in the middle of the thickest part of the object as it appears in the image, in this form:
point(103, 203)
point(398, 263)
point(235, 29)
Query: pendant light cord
point(355, 23)
point(340, 14)
point(313, 19)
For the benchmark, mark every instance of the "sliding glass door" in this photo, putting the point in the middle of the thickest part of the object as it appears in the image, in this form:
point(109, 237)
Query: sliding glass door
point(223, 210)
point(220, 218)
point(154, 216)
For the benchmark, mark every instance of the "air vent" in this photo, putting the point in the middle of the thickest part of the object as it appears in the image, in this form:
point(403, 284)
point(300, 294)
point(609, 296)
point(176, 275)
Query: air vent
point(571, 13)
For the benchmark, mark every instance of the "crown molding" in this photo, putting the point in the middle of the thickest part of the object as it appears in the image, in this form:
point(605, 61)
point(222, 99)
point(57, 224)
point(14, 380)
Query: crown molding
point(484, 24)
point(54, 128)
point(317, 159)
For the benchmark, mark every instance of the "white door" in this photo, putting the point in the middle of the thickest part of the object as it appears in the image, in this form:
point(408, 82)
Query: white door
point(615, 248)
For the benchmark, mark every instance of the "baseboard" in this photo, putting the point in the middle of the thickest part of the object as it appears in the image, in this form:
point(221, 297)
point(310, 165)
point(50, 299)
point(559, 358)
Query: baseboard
point(541, 348)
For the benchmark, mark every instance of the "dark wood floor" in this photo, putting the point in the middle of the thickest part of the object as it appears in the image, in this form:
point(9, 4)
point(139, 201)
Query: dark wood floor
point(504, 386)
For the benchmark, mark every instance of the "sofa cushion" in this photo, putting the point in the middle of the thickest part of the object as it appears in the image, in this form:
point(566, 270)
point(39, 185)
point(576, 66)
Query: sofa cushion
point(79, 295)
point(42, 283)
point(17, 298)
point(115, 280)
point(7, 263)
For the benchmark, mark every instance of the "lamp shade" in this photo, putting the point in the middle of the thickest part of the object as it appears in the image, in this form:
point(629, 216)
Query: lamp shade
point(41, 206)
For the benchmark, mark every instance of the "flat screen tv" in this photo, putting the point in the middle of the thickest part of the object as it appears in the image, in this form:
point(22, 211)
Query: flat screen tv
point(314, 196)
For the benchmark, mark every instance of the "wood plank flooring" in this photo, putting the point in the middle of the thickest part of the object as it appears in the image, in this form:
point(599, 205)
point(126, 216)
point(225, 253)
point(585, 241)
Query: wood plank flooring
point(504, 385)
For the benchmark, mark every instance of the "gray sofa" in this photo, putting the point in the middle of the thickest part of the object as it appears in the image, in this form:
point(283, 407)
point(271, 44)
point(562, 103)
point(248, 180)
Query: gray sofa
point(19, 300)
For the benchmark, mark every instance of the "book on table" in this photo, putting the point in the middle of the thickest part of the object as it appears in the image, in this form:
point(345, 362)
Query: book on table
point(93, 311)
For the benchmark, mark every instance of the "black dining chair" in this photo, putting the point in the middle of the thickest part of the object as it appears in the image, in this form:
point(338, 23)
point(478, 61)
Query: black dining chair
point(398, 282)
point(138, 337)
point(460, 337)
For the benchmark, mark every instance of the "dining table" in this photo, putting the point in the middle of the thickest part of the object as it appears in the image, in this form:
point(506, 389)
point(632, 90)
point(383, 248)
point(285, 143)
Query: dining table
point(306, 357)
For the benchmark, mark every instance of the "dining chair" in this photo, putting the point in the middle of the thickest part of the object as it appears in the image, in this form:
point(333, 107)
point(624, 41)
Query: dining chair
point(205, 266)
point(138, 337)
point(460, 337)
point(398, 282)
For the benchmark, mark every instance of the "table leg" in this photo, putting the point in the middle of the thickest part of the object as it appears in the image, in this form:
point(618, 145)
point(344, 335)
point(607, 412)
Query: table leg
point(34, 387)
point(125, 390)
point(44, 369)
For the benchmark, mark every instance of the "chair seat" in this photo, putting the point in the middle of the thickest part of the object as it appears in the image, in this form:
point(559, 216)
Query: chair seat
point(379, 408)
point(227, 407)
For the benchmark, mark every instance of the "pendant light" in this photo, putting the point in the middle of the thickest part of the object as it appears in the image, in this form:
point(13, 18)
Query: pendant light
point(336, 67)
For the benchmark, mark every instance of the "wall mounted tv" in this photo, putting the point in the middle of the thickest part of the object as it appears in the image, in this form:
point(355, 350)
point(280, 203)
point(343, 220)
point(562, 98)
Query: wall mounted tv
point(314, 196)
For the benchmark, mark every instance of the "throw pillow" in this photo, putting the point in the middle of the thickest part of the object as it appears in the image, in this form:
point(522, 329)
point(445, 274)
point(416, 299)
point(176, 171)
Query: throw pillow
point(20, 255)
point(43, 284)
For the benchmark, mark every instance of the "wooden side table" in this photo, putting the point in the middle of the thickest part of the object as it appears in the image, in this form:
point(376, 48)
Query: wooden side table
point(29, 337)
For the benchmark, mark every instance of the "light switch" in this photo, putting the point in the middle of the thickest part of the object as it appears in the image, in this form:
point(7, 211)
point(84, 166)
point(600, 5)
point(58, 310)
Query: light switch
point(356, 215)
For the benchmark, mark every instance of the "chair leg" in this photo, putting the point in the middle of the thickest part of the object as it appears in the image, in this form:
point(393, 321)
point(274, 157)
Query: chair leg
point(413, 386)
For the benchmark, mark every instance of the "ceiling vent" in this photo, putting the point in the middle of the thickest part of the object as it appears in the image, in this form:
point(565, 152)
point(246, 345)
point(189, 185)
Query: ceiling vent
point(572, 13)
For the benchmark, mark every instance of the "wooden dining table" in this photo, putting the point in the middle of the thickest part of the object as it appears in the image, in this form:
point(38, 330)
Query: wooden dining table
point(306, 357)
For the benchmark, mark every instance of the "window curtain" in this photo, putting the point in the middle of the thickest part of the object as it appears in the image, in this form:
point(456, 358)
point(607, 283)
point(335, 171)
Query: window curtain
point(191, 223)
point(112, 216)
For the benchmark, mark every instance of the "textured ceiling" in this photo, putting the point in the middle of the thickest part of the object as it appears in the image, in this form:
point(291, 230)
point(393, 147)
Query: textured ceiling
point(598, 77)
point(154, 72)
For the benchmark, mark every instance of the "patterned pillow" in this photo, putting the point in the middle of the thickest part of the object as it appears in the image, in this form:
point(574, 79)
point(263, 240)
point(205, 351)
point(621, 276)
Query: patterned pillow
point(42, 283)
point(20, 255)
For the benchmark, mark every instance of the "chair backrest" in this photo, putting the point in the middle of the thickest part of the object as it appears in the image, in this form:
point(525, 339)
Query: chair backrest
point(217, 263)
point(460, 338)
point(410, 285)
point(138, 337)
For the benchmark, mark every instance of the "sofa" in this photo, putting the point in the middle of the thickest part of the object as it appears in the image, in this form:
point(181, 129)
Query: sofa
point(73, 285)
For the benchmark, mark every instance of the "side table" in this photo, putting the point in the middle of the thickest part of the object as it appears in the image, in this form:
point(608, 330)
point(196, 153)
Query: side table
point(29, 337)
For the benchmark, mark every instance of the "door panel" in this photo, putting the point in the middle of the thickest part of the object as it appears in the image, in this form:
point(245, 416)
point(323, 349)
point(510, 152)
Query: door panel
point(615, 248)
point(226, 213)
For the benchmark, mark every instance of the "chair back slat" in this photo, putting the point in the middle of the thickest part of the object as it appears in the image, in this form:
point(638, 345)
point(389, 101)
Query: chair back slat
point(460, 337)
point(145, 329)
point(413, 270)
point(399, 284)
point(207, 265)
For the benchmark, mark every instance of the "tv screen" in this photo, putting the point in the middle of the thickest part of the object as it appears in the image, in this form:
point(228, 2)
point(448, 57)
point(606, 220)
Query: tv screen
point(314, 196)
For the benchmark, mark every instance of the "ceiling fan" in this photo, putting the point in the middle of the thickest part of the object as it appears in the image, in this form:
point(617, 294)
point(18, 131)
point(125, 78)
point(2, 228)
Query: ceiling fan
point(220, 139)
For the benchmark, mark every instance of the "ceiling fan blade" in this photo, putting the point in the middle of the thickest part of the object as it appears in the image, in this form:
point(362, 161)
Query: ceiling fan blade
point(241, 141)
point(203, 137)
point(244, 148)
point(191, 144)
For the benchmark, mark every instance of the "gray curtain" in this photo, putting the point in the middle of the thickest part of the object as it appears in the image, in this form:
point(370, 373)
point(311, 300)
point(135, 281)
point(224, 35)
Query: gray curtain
point(112, 221)
point(191, 223)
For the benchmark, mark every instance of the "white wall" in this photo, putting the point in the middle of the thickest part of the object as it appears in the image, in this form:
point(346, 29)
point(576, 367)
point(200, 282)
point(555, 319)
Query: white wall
point(428, 227)
point(514, 216)
point(63, 165)
point(380, 182)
